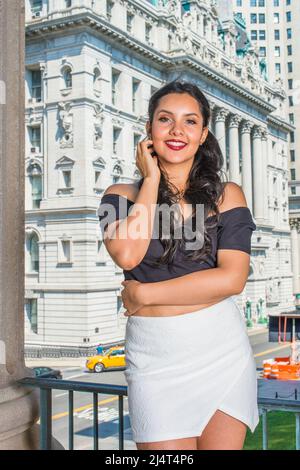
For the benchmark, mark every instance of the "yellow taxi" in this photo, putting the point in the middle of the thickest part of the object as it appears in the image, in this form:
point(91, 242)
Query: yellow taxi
point(113, 358)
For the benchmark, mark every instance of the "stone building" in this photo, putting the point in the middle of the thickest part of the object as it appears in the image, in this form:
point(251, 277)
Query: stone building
point(91, 67)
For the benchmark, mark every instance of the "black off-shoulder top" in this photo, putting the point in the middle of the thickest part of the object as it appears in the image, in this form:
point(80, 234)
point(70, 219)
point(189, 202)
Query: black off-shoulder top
point(233, 232)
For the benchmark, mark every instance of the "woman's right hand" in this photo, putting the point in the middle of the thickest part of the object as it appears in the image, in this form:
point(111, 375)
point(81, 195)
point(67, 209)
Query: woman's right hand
point(146, 164)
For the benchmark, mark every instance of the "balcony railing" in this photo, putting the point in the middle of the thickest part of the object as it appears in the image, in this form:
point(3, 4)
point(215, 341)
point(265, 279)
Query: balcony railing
point(47, 385)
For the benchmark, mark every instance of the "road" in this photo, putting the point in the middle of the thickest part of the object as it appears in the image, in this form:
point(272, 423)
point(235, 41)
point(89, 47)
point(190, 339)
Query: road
point(108, 405)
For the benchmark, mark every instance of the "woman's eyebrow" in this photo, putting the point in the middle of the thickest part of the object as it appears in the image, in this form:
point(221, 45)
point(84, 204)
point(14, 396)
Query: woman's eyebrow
point(170, 112)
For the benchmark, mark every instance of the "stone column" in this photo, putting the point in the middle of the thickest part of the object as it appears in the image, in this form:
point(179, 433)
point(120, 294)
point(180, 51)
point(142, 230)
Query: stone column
point(295, 227)
point(246, 162)
point(220, 131)
point(19, 406)
point(234, 165)
point(258, 173)
point(265, 149)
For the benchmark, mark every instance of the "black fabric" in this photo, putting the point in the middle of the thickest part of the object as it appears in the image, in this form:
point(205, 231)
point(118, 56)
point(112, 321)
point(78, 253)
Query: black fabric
point(233, 232)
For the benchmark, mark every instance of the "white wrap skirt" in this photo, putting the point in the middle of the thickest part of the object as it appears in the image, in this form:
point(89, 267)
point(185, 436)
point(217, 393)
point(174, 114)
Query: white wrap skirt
point(181, 369)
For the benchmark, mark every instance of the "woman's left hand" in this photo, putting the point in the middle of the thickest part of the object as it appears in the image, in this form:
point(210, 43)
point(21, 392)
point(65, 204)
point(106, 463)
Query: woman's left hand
point(131, 297)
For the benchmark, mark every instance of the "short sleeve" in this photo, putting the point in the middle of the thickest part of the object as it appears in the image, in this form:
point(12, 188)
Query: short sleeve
point(112, 207)
point(235, 229)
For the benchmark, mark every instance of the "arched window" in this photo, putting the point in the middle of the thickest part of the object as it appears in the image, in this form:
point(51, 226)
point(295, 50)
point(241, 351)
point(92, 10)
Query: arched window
point(67, 75)
point(34, 252)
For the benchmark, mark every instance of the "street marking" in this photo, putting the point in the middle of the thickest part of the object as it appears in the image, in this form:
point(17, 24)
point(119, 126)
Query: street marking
point(85, 407)
point(271, 350)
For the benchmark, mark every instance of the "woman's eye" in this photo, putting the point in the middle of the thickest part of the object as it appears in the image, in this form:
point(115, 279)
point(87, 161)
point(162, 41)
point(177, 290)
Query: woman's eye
point(189, 120)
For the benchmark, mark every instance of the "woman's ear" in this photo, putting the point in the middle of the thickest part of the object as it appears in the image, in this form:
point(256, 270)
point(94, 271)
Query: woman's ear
point(204, 135)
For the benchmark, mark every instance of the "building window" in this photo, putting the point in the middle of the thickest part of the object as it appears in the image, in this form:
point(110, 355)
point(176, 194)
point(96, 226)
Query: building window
point(262, 52)
point(293, 190)
point(289, 33)
point(290, 82)
point(35, 139)
point(288, 16)
point(136, 139)
point(36, 84)
point(292, 135)
point(253, 35)
point(135, 93)
point(253, 3)
point(36, 7)
point(278, 67)
point(262, 34)
point(33, 314)
point(276, 18)
point(68, 3)
point(239, 3)
point(36, 190)
point(289, 50)
point(293, 174)
point(291, 100)
point(290, 67)
point(253, 18)
point(276, 3)
point(34, 253)
point(116, 136)
point(276, 34)
point(115, 86)
point(292, 118)
point(277, 51)
point(262, 18)
point(292, 155)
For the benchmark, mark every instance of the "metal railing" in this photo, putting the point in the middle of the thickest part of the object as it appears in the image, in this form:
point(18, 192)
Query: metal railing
point(47, 385)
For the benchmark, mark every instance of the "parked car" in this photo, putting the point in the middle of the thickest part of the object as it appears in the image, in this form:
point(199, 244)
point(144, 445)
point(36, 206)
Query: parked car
point(113, 358)
point(47, 372)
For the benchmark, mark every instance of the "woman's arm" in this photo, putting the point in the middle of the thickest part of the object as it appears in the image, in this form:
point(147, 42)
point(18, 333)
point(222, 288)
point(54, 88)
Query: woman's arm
point(127, 251)
point(209, 285)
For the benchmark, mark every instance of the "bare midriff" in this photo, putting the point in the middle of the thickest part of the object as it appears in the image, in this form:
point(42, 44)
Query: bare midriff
point(170, 310)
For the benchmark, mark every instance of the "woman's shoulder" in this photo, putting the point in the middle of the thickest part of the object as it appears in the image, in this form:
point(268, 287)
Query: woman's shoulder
point(233, 196)
point(129, 190)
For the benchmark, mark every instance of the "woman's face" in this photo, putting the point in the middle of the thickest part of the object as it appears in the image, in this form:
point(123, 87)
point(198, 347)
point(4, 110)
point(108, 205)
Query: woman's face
point(177, 117)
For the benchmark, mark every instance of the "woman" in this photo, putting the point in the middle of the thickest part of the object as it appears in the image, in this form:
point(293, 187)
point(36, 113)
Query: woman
point(190, 369)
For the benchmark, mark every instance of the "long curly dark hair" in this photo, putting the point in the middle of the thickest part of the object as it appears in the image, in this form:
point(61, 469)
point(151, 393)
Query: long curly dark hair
point(204, 184)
